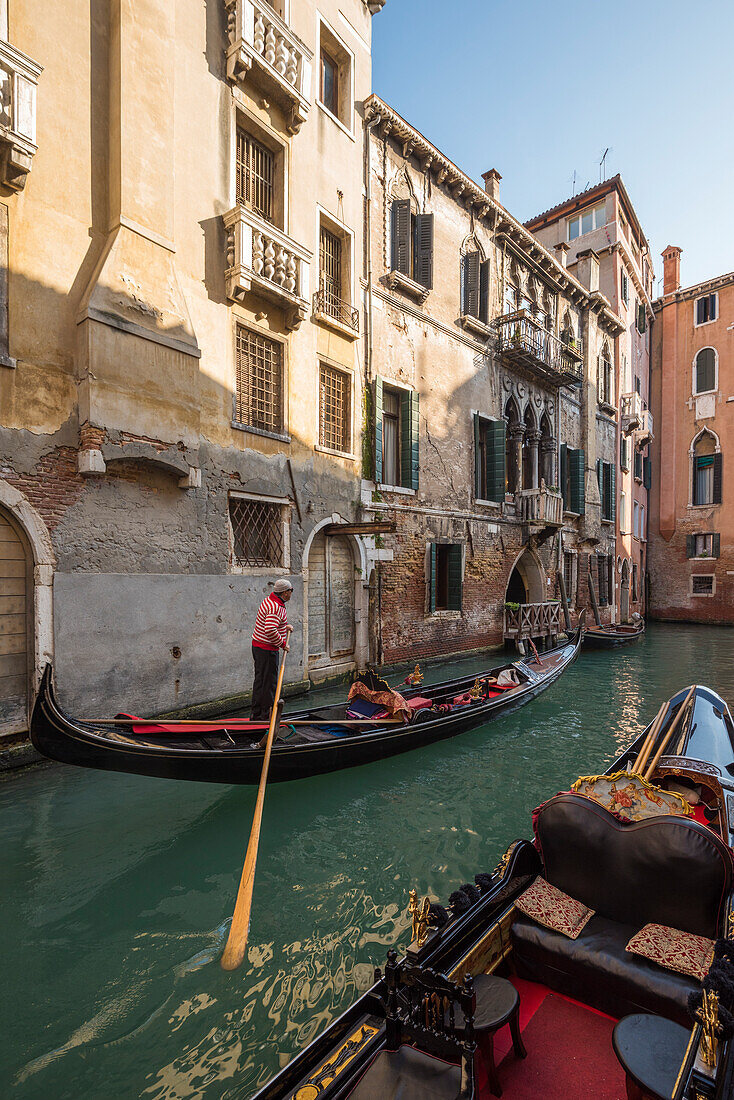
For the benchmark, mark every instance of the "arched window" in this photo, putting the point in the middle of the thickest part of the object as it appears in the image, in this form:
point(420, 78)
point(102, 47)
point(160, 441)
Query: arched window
point(512, 416)
point(706, 471)
point(474, 282)
point(704, 371)
point(605, 383)
point(530, 452)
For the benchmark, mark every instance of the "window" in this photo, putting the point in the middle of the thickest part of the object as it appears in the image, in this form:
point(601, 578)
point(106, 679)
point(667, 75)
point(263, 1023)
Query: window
point(707, 308)
point(412, 243)
point(641, 318)
point(335, 77)
point(647, 471)
point(255, 175)
point(642, 522)
point(624, 374)
point(511, 294)
point(585, 222)
point(475, 287)
point(489, 458)
point(602, 570)
point(606, 477)
point(702, 584)
point(625, 288)
point(257, 532)
point(445, 576)
point(568, 575)
point(258, 381)
point(703, 546)
point(330, 269)
point(573, 474)
point(335, 409)
point(624, 452)
point(605, 381)
point(639, 471)
point(635, 590)
point(623, 513)
point(706, 472)
point(396, 436)
point(329, 86)
point(638, 384)
point(704, 371)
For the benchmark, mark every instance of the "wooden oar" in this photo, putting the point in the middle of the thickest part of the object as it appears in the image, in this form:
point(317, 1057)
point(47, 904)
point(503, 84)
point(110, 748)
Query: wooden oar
point(650, 739)
point(234, 950)
point(668, 736)
point(243, 724)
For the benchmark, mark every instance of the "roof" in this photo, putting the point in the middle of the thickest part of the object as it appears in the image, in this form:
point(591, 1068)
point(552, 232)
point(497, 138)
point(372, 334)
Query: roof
point(708, 286)
point(575, 202)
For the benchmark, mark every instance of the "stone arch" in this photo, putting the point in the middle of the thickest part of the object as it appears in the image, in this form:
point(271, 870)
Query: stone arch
point(325, 563)
point(624, 592)
point(401, 187)
point(530, 449)
point(527, 569)
point(472, 244)
point(699, 438)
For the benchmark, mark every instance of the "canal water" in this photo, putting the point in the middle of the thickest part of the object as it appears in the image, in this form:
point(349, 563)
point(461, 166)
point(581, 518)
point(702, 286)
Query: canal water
point(116, 890)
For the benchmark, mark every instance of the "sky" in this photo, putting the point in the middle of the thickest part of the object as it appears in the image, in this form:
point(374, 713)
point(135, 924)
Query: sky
point(539, 90)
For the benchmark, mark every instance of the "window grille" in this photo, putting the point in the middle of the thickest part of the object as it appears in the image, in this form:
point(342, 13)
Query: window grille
point(259, 381)
point(254, 175)
point(330, 271)
point(257, 531)
point(334, 409)
point(702, 585)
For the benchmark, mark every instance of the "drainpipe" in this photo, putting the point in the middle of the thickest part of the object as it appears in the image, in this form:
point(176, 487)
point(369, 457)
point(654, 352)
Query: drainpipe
point(368, 243)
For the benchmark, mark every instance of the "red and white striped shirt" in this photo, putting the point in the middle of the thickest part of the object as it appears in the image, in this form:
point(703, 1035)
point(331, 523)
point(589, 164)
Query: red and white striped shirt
point(270, 625)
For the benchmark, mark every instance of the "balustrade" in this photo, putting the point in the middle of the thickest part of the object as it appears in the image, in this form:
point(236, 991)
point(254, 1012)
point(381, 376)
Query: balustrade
point(540, 506)
point(524, 343)
point(263, 259)
point(533, 620)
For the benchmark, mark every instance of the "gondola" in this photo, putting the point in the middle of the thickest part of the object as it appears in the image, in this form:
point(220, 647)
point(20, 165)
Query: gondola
point(218, 753)
point(609, 637)
point(598, 1010)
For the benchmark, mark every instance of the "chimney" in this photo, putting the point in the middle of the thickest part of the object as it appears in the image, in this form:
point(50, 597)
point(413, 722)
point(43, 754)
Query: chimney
point(587, 269)
point(492, 183)
point(561, 251)
point(671, 268)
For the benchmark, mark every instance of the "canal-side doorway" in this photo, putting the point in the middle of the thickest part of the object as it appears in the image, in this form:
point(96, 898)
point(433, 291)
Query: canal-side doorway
point(16, 625)
point(331, 601)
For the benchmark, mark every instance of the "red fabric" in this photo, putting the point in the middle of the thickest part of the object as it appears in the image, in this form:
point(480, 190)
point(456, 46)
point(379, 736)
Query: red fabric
point(699, 815)
point(199, 727)
point(419, 703)
point(270, 624)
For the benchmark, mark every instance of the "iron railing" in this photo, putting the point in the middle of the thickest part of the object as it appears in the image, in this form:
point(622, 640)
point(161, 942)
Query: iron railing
point(329, 304)
point(522, 342)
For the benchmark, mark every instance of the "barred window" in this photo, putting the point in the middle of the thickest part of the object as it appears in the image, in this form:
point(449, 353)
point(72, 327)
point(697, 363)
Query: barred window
point(334, 409)
point(602, 566)
point(259, 381)
point(702, 585)
point(255, 166)
point(257, 532)
point(330, 271)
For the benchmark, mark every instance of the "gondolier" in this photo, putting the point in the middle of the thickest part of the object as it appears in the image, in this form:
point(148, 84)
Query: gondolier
point(270, 635)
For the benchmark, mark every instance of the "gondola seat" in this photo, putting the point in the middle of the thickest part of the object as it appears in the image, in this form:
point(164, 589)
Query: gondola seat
point(669, 870)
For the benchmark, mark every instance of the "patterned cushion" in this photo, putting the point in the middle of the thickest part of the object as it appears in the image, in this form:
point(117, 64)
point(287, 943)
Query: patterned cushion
point(551, 907)
point(680, 951)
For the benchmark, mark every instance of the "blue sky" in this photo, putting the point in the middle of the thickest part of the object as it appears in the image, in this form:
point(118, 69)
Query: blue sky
point(538, 90)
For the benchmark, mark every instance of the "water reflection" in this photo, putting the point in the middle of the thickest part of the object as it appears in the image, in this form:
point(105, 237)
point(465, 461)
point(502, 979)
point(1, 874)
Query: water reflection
point(117, 889)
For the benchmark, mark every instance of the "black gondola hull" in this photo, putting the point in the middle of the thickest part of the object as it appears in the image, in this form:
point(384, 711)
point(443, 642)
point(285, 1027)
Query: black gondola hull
point(611, 638)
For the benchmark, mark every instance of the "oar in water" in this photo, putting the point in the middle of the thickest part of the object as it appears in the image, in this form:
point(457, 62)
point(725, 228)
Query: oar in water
point(234, 950)
point(669, 735)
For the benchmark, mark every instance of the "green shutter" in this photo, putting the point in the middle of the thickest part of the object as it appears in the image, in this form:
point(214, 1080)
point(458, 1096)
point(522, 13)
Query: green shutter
point(409, 425)
point(378, 430)
point(612, 490)
point(477, 456)
point(423, 270)
point(647, 472)
point(484, 292)
point(470, 273)
point(400, 224)
point(600, 479)
point(454, 564)
point(495, 444)
point(715, 546)
point(564, 476)
point(432, 576)
point(717, 479)
point(576, 476)
point(690, 546)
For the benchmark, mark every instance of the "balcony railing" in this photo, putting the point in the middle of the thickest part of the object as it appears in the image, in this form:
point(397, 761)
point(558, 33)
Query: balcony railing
point(540, 507)
point(266, 261)
point(18, 82)
point(630, 407)
point(533, 620)
point(328, 307)
point(525, 344)
point(263, 49)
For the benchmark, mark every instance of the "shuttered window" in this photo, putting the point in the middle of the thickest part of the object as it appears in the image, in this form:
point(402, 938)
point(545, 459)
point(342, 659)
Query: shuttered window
point(255, 165)
point(573, 473)
point(624, 452)
point(259, 381)
point(568, 575)
point(703, 546)
point(707, 476)
point(638, 465)
point(489, 458)
point(706, 308)
point(412, 243)
point(647, 471)
point(475, 286)
point(607, 477)
point(641, 318)
point(335, 408)
point(605, 381)
point(705, 371)
point(445, 562)
point(402, 252)
point(602, 569)
point(396, 439)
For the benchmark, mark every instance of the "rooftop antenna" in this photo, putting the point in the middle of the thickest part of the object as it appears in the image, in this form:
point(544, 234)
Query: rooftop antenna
point(573, 192)
point(602, 164)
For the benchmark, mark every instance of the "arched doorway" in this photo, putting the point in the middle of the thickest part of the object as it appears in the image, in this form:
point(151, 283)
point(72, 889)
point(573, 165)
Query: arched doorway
point(624, 596)
point(16, 625)
point(525, 584)
point(331, 604)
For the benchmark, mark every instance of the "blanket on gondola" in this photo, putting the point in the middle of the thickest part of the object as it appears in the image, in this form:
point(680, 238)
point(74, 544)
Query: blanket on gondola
point(392, 701)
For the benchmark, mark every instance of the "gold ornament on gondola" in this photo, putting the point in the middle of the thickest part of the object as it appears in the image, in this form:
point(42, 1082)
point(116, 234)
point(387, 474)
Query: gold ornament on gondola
point(708, 1014)
point(419, 913)
point(415, 676)
point(477, 690)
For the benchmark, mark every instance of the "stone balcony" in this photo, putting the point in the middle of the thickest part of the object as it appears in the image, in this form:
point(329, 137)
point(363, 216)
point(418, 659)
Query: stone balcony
point(643, 434)
point(524, 344)
point(630, 409)
point(539, 507)
point(266, 261)
point(264, 53)
point(18, 82)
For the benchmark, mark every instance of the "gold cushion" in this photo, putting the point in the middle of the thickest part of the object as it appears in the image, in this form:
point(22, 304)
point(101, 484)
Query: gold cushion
point(549, 906)
point(674, 950)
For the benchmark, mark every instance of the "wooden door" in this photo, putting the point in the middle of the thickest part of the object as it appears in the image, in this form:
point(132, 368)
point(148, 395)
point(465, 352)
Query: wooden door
point(330, 598)
point(317, 598)
point(16, 593)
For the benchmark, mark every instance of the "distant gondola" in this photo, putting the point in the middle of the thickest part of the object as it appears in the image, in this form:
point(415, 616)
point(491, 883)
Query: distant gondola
point(609, 637)
point(218, 752)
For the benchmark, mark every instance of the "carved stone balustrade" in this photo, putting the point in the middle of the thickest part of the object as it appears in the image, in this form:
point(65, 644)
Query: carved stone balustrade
point(533, 620)
point(266, 261)
point(264, 51)
point(18, 82)
point(540, 507)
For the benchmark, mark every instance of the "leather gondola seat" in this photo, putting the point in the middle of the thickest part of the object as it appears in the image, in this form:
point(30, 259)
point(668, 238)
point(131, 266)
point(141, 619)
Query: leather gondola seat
point(666, 870)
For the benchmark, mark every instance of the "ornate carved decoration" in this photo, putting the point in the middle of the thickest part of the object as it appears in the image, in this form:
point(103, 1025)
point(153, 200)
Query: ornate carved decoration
point(419, 914)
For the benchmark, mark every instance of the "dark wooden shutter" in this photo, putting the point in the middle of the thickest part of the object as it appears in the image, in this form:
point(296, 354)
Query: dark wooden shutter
point(484, 292)
point(477, 457)
point(563, 465)
point(432, 555)
point(401, 250)
point(600, 480)
point(690, 546)
point(712, 307)
point(378, 430)
point(638, 466)
point(647, 471)
point(409, 424)
point(717, 479)
point(623, 454)
point(700, 311)
point(454, 569)
point(423, 272)
point(495, 445)
point(641, 318)
point(715, 546)
point(576, 475)
point(470, 302)
point(612, 480)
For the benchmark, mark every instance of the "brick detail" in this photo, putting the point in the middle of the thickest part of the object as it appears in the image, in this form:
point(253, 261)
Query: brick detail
point(91, 438)
point(53, 486)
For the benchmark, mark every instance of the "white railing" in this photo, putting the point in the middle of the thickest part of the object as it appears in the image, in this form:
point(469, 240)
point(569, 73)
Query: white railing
point(630, 408)
point(533, 620)
point(18, 82)
point(266, 260)
point(263, 47)
point(541, 506)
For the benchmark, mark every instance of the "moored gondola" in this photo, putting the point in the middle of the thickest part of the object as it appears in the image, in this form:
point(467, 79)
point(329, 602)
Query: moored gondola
point(610, 637)
point(605, 944)
point(222, 750)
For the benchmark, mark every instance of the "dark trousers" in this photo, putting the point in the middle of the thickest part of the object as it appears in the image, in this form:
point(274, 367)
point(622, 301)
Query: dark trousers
point(263, 688)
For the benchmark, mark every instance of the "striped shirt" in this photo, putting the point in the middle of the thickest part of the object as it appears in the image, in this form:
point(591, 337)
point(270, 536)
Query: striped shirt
point(270, 624)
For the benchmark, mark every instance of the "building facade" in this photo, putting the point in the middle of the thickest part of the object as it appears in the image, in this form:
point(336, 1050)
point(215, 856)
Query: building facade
point(602, 222)
point(483, 441)
point(181, 344)
point(692, 530)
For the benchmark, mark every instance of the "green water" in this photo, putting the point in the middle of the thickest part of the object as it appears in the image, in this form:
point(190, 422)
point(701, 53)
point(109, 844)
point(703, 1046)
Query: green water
point(116, 889)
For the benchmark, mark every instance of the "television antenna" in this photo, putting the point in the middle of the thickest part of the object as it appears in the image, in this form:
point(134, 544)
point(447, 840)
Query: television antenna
point(602, 164)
